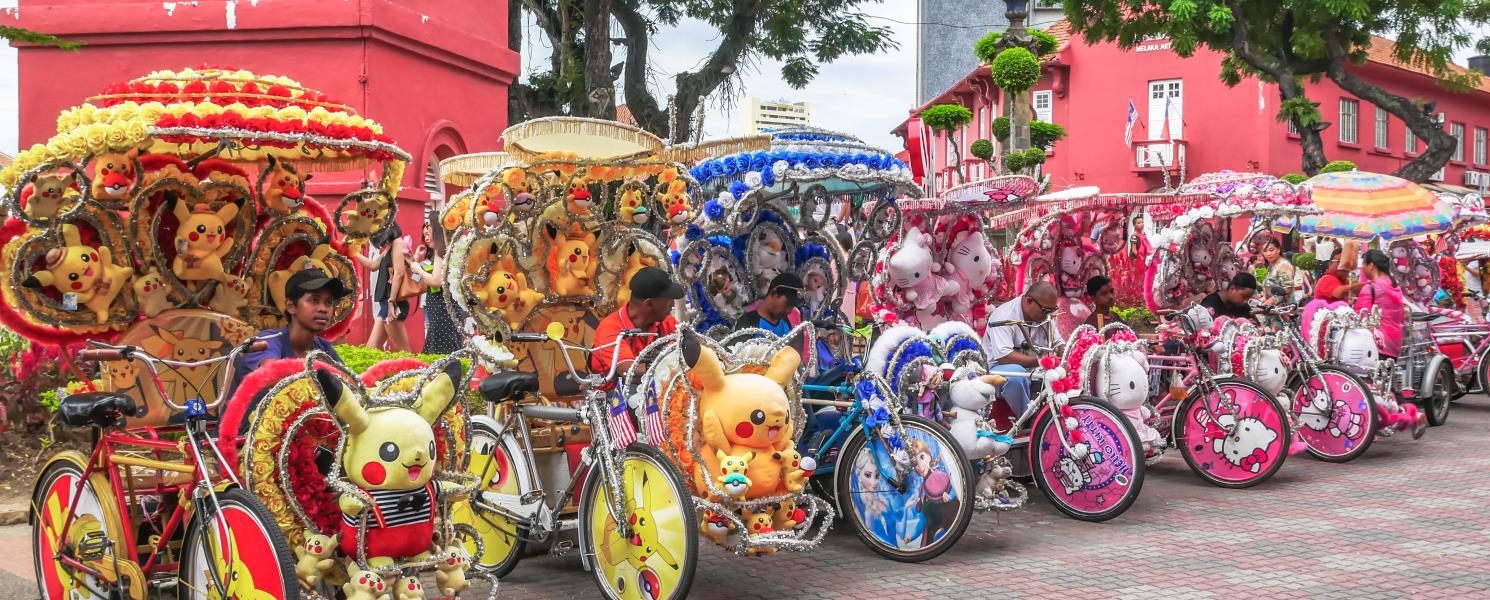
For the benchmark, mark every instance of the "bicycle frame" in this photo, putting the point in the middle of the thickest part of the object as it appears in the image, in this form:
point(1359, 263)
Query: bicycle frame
point(106, 457)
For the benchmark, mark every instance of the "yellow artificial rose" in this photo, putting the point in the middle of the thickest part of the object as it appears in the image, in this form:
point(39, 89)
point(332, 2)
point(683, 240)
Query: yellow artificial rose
point(262, 470)
point(137, 130)
point(179, 109)
point(236, 107)
point(150, 112)
point(261, 112)
point(102, 115)
point(66, 120)
point(319, 114)
point(375, 127)
point(58, 146)
point(204, 109)
point(126, 111)
point(118, 136)
point(292, 113)
point(97, 137)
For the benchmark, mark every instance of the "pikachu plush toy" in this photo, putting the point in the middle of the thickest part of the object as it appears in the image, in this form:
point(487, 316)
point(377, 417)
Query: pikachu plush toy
point(390, 457)
point(202, 240)
point(86, 276)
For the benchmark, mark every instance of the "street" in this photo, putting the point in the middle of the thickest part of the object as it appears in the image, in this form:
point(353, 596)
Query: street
point(1408, 519)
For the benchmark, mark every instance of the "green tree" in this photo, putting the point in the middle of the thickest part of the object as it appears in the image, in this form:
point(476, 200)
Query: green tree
point(1338, 166)
point(584, 79)
point(949, 118)
point(18, 34)
point(1288, 41)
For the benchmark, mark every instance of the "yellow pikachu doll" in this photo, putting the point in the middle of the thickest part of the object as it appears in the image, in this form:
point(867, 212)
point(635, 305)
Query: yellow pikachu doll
point(506, 291)
point(390, 455)
point(202, 240)
point(742, 412)
point(88, 275)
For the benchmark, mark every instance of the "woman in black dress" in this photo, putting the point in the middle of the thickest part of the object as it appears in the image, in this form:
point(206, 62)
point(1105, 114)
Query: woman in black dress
point(392, 268)
point(441, 329)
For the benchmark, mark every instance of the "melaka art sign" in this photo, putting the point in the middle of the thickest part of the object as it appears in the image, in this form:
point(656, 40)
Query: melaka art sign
point(1154, 43)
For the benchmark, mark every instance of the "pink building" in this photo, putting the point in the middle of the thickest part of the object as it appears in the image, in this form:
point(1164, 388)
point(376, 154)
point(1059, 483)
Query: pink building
point(433, 72)
point(1190, 123)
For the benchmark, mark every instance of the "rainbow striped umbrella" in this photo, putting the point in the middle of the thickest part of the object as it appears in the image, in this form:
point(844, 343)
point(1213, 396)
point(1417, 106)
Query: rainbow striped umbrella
point(1371, 206)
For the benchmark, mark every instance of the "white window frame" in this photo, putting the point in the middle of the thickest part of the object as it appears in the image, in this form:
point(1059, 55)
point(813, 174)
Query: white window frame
point(1383, 128)
point(1457, 130)
point(1350, 120)
point(1411, 143)
point(1046, 97)
point(1480, 135)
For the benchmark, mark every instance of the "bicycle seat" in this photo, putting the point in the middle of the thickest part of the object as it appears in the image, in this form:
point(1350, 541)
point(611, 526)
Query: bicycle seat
point(1423, 317)
point(508, 385)
point(95, 409)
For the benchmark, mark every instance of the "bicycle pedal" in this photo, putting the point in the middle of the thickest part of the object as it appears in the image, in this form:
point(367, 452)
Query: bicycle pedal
point(531, 497)
point(562, 548)
point(94, 546)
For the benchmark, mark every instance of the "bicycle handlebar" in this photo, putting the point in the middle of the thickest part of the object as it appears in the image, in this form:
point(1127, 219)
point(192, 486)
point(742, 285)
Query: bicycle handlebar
point(554, 334)
point(101, 351)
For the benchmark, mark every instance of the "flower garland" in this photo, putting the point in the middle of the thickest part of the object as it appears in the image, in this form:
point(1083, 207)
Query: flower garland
point(1449, 280)
point(767, 167)
point(878, 417)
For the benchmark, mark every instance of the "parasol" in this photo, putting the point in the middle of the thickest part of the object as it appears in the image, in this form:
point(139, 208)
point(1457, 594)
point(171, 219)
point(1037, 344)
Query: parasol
point(1372, 206)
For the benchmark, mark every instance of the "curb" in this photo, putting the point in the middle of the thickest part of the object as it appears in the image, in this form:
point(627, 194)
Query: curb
point(13, 514)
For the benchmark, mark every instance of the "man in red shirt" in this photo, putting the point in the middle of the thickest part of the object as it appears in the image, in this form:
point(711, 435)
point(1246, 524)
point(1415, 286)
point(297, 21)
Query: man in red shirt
point(649, 311)
point(1335, 285)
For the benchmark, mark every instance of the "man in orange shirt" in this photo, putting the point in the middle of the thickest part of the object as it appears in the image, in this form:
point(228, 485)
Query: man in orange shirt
point(650, 309)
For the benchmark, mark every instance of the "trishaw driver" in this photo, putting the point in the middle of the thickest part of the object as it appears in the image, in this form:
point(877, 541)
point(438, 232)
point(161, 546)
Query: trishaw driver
point(649, 311)
point(310, 303)
point(1007, 346)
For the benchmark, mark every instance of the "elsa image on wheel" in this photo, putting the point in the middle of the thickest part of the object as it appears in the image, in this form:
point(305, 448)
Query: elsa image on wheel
point(932, 501)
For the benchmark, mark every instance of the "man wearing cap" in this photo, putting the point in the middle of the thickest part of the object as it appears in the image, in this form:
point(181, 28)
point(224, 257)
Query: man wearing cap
point(310, 303)
point(650, 310)
point(774, 309)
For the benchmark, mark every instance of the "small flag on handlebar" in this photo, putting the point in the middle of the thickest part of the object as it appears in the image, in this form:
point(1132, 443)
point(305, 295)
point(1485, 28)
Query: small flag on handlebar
point(656, 431)
point(621, 428)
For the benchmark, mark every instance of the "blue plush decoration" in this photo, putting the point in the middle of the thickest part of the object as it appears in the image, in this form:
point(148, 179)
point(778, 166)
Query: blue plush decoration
point(960, 344)
point(711, 316)
point(912, 350)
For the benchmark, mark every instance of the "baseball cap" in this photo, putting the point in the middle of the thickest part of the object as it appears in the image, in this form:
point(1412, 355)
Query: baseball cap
point(786, 284)
point(310, 280)
point(652, 282)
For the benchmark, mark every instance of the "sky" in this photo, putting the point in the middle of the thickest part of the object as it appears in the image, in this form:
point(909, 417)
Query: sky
point(865, 96)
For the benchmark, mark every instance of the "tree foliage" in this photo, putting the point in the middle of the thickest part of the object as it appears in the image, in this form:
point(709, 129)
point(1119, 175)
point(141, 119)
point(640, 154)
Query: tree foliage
point(584, 78)
point(988, 47)
point(1338, 166)
point(946, 117)
point(1043, 135)
point(1294, 178)
point(1288, 41)
point(19, 34)
point(1001, 128)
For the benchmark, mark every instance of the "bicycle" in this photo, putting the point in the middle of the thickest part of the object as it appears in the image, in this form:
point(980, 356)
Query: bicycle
point(1231, 432)
point(1089, 459)
point(1332, 409)
point(85, 538)
point(636, 523)
point(906, 491)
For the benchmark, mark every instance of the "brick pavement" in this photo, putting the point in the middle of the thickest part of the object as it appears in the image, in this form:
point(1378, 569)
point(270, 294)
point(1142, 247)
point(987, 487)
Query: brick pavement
point(1408, 520)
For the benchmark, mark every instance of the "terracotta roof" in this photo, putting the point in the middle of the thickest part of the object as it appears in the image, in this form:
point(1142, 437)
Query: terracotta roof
point(1061, 31)
point(5, 160)
point(623, 115)
point(1382, 51)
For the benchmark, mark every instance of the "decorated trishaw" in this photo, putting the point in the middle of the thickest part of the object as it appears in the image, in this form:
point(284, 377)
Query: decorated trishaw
point(159, 229)
point(1222, 408)
point(1395, 216)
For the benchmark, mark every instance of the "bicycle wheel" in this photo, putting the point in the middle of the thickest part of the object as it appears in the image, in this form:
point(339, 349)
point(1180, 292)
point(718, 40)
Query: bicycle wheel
point(1100, 485)
point(95, 522)
point(928, 514)
point(1336, 415)
point(494, 461)
point(248, 555)
point(1235, 436)
point(658, 560)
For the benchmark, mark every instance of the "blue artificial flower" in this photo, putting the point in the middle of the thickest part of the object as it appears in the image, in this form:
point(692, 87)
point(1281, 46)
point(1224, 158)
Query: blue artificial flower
point(674, 256)
point(758, 161)
point(893, 439)
point(714, 210)
point(768, 177)
point(693, 232)
point(738, 188)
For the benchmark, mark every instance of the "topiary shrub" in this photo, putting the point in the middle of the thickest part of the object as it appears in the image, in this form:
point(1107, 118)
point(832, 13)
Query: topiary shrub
point(1306, 261)
point(1295, 178)
point(1014, 162)
point(1034, 156)
point(359, 358)
point(982, 149)
point(1338, 166)
point(987, 48)
point(946, 117)
point(1015, 70)
point(1001, 128)
point(1044, 135)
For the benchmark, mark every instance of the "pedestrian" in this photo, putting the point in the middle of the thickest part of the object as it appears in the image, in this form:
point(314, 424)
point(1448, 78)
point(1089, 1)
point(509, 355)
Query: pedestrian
point(441, 334)
point(387, 260)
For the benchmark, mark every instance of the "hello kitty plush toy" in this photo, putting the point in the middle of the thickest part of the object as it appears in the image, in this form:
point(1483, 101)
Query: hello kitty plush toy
point(971, 390)
point(1111, 365)
point(914, 271)
point(969, 263)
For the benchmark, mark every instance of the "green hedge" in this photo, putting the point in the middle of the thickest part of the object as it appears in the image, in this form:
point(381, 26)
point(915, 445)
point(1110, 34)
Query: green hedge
point(1338, 166)
point(982, 149)
point(1015, 70)
point(359, 358)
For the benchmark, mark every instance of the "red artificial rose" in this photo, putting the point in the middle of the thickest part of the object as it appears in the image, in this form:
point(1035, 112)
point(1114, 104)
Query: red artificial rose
point(1049, 362)
point(195, 87)
point(167, 121)
point(221, 87)
point(278, 90)
point(340, 132)
point(231, 120)
point(258, 124)
point(167, 87)
point(189, 120)
point(210, 121)
point(362, 133)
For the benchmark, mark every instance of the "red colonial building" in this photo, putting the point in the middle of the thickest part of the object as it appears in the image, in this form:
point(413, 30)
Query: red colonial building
point(1189, 123)
point(434, 72)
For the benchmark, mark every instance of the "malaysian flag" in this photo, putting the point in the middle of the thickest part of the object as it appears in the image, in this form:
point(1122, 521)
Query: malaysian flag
point(622, 430)
point(1128, 123)
point(652, 419)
